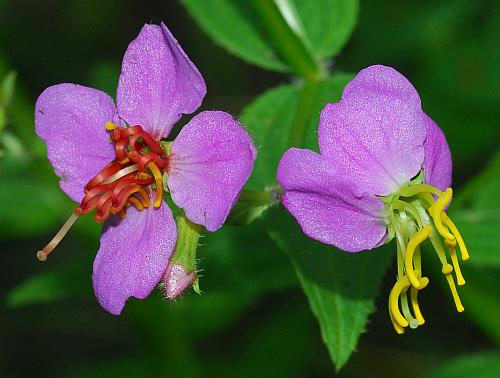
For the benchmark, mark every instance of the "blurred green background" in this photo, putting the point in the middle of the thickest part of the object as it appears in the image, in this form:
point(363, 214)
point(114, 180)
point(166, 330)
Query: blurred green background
point(253, 318)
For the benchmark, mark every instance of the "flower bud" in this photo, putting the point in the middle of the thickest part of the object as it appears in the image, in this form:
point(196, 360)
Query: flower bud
point(176, 280)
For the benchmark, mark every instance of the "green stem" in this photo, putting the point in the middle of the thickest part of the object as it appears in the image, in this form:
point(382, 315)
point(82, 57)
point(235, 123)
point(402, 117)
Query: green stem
point(307, 99)
point(187, 243)
point(288, 37)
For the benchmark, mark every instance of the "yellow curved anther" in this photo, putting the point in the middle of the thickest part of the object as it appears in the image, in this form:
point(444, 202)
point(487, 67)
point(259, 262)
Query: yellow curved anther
point(134, 201)
point(399, 330)
point(414, 242)
point(447, 270)
point(463, 249)
point(110, 126)
point(159, 183)
point(437, 209)
point(401, 285)
point(424, 281)
point(413, 190)
point(456, 266)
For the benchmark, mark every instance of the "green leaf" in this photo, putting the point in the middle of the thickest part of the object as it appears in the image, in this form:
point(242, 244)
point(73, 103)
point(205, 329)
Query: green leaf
point(7, 89)
point(33, 203)
point(328, 23)
point(480, 230)
point(480, 298)
point(269, 119)
point(341, 287)
point(235, 25)
point(480, 365)
point(479, 217)
point(52, 284)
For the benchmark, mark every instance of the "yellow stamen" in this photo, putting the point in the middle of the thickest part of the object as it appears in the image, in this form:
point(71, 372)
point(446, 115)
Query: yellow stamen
point(401, 285)
point(456, 266)
point(424, 281)
point(399, 330)
point(414, 242)
point(447, 270)
point(436, 211)
point(138, 204)
point(110, 126)
point(413, 190)
point(42, 255)
point(159, 183)
point(463, 249)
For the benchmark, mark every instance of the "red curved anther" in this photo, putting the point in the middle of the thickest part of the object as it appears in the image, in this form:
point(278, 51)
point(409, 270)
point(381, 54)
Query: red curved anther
point(143, 160)
point(106, 172)
point(123, 197)
point(102, 206)
point(139, 163)
point(121, 149)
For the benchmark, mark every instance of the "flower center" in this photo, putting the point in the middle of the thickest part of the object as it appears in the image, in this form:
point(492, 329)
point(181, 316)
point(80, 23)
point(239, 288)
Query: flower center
point(139, 163)
point(134, 174)
point(416, 213)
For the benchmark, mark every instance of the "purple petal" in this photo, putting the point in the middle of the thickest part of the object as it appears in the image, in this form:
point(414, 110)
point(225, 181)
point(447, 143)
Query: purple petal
point(212, 158)
point(158, 82)
point(133, 255)
point(437, 163)
point(325, 204)
point(376, 131)
point(71, 120)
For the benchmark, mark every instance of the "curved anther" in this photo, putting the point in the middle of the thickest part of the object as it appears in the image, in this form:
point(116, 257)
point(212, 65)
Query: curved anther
point(456, 265)
point(159, 184)
point(136, 202)
point(107, 171)
point(424, 281)
point(414, 242)
point(447, 270)
point(463, 249)
point(437, 209)
point(400, 286)
point(397, 327)
point(412, 190)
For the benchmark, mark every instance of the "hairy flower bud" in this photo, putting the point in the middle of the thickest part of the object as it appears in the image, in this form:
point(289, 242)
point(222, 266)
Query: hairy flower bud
point(176, 280)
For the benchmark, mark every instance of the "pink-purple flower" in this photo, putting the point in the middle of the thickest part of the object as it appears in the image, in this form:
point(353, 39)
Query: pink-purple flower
point(112, 160)
point(383, 172)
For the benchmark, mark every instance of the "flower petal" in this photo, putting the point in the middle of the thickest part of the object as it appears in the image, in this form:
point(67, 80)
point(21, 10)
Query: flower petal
point(325, 204)
point(133, 255)
point(71, 119)
point(376, 131)
point(212, 158)
point(158, 82)
point(437, 162)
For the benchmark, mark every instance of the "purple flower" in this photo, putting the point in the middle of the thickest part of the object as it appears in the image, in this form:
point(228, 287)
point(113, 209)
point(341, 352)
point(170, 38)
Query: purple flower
point(384, 172)
point(204, 168)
